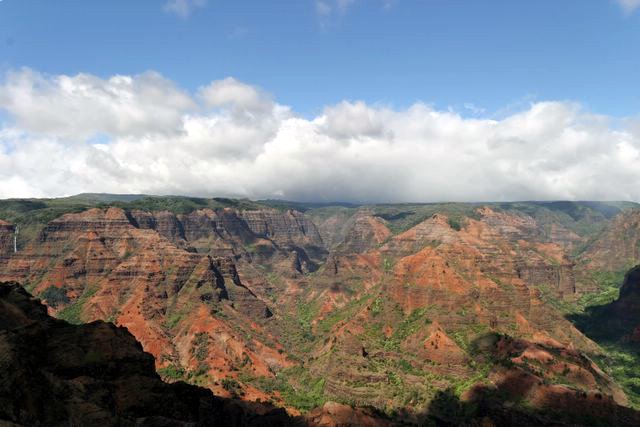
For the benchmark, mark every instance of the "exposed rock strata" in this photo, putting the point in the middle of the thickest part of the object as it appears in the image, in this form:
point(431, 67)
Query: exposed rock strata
point(56, 374)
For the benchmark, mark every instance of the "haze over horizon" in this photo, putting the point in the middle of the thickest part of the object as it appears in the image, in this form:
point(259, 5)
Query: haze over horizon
point(185, 107)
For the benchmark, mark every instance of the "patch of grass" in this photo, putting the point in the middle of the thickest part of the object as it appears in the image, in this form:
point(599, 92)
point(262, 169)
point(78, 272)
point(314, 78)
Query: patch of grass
point(172, 372)
point(412, 323)
point(55, 296)
point(455, 223)
point(297, 387)
point(73, 313)
point(623, 364)
point(387, 265)
point(172, 320)
point(232, 386)
point(200, 346)
point(340, 314)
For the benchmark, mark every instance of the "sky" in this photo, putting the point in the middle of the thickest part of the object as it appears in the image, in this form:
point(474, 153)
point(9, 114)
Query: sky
point(322, 100)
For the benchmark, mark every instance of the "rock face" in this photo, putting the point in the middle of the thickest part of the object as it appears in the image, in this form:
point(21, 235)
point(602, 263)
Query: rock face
point(54, 374)
point(363, 232)
point(502, 247)
point(6, 238)
point(412, 307)
point(617, 248)
point(99, 264)
point(537, 374)
point(264, 305)
point(620, 320)
point(264, 236)
point(628, 304)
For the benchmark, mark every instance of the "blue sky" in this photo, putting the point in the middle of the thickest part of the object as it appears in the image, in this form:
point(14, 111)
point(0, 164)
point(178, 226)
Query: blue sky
point(490, 53)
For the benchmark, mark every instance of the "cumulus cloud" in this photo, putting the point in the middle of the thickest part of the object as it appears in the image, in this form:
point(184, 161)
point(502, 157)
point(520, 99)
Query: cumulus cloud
point(233, 139)
point(183, 8)
point(235, 94)
point(77, 106)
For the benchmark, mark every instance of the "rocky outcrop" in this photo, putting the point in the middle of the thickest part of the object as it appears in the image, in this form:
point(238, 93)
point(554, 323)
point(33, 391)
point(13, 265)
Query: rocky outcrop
point(6, 238)
point(618, 321)
point(560, 387)
point(247, 302)
point(261, 236)
point(363, 232)
point(628, 304)
point(413, 306)
point(502, 247)
point(56, 374)
point(98, 265)
point(617, 248)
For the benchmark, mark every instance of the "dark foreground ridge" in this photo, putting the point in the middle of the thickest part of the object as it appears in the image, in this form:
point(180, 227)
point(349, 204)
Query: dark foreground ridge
point(53, 373)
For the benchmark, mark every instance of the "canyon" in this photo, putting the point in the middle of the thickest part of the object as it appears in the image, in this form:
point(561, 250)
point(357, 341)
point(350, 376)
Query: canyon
point(424, 311)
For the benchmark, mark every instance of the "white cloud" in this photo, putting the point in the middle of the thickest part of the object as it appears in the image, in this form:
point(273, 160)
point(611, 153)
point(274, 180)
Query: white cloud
point(236, 95)
point(78, 106)
point(629, 5)
point(232, 139)
point(183, 8)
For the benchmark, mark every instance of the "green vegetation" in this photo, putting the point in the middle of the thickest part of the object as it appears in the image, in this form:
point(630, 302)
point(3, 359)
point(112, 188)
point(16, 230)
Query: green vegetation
point(55, 296)
point(296, 385)
point(31, 215)
point(172, 372)
point(200, 346)
point(340, 314)
point(621, 359)
point(416, 320)
point(172, 320)
point(180, 204)
point(232, 386)
point(455, 223)
point(608, 285)
point(73, 312)
point(387, 265)
point(623, 364)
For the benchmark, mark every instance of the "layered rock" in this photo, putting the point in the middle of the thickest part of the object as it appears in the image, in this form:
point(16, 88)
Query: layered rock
point(54, 374)
point(6, 238)
point(559, 386)
point(411, 307)
point(99, 265)
point(224, 298)
point(262, 236)
point(364, 232)
point(617, 248)
point(500, 246)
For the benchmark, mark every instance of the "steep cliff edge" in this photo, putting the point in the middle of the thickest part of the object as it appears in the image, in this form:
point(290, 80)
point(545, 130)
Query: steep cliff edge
point(266, 237)
point(53, 373)
point(617, 247)
point(246, 302)
point(190, 310)
point(6, 238)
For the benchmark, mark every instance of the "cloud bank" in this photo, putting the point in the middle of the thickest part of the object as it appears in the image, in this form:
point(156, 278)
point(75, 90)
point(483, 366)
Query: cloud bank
point(65, 135)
